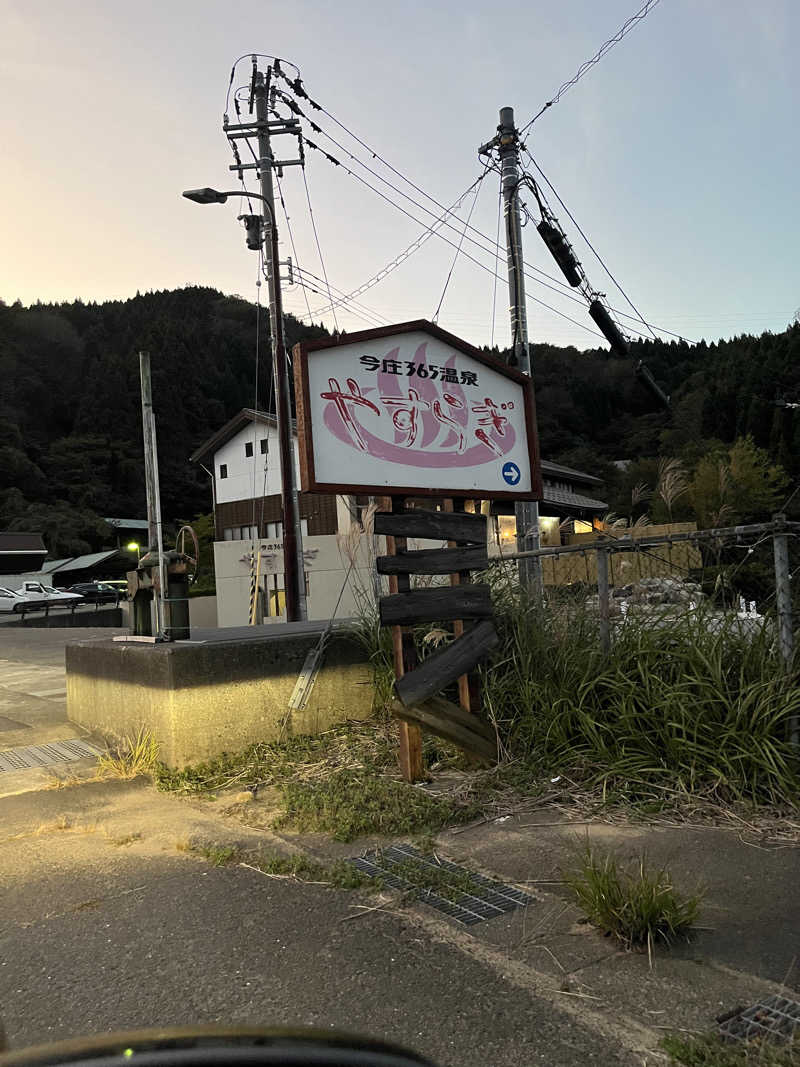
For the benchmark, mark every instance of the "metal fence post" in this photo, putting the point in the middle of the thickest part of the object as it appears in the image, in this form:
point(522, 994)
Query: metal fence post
point(604, 603)
point(783, 599)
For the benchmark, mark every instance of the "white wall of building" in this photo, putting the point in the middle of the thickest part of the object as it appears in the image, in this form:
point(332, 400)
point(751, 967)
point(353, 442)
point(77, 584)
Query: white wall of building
point(326, 564)
point(244, 475)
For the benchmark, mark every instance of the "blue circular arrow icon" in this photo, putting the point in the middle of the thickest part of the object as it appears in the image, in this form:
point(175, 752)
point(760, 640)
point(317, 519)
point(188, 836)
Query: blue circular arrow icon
point(511, 473)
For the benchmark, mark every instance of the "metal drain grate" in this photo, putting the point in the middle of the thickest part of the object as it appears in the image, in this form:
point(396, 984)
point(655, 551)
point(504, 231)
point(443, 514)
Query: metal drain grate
point(20, 759)
point(488, 899)
point(774, 1016)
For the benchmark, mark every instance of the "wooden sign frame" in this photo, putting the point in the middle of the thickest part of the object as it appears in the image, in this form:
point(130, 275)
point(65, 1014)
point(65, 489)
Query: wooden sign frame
point(309, 480)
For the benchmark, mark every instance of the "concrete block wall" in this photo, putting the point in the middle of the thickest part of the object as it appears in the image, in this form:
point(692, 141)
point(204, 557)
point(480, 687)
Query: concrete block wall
point(200, 700)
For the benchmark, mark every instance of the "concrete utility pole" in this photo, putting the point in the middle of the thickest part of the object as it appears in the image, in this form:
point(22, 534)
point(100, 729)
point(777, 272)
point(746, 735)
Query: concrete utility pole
point(147, 433)
point(507, 144)
point(294, 570)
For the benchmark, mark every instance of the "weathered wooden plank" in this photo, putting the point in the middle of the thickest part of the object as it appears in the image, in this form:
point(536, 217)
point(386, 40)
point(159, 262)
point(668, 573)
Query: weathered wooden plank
point(435, 525)
point(443, 667)
point(435, 561)
point(445, 719)
point(437, 604)
point(405, 659)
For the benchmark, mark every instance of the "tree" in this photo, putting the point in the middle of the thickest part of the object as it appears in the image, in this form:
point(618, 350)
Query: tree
point(737, 485)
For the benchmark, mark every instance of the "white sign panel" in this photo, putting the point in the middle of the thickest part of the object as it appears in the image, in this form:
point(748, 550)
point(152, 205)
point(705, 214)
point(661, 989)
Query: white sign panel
point(415, 410)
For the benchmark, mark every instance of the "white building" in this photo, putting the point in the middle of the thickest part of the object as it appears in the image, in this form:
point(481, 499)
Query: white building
point(243, 461)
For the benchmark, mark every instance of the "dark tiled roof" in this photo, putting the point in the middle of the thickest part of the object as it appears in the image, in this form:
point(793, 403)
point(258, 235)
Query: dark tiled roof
point(566, 499)
point(22, 542)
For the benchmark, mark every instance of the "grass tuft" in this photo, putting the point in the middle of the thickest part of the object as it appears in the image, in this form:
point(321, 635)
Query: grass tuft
point(338, 874)
point(136, 755)
point(349, 804)
point(711, 1051)
point(638, 908)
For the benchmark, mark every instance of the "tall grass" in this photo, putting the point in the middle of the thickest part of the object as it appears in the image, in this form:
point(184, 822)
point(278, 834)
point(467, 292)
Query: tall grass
point(678, 703)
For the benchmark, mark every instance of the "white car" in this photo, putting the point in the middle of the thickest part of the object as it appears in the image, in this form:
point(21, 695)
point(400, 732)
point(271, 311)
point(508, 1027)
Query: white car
point(36, 591)
point(13, 600)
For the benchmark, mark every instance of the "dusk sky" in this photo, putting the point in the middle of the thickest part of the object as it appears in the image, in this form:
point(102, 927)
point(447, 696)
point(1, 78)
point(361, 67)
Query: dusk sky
point(677, 153)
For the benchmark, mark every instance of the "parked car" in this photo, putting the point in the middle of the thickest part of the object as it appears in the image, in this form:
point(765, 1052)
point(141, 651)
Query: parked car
point(96, 592)
point(13, 600)
point(37, 591)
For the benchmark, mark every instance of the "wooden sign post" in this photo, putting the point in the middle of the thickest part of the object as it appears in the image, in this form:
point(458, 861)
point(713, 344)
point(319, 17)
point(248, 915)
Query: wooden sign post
point(408, 412)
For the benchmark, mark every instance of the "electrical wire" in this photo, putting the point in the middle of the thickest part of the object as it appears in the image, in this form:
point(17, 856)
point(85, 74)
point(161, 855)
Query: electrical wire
point(596, 254)
point(562, 290)
point(291, 235)
point(559, 287)
point(319, 247)
point(496, 260)
point(249, 55)
point(370, 170)
point(452, 244)
point(626, 27)
point(357, 308)
point(312, 286)
point(415, 245)
point(458, 250)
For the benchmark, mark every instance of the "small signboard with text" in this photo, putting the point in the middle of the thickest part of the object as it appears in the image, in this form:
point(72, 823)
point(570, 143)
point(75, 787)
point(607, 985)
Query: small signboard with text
point(413, 410)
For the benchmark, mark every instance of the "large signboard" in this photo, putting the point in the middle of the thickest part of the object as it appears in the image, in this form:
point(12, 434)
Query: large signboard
point(413, 410)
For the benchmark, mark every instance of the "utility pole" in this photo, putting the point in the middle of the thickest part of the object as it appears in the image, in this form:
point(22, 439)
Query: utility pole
point(293, 567)
point(147, 433)
point(507, 144)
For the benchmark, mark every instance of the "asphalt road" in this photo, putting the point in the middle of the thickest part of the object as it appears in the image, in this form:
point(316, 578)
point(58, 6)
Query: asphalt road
point(96, 935)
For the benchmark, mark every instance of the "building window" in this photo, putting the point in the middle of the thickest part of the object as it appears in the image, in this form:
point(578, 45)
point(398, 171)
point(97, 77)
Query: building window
point(248, 449)
point(263, 446)
point(240, 533)
point(274, 530)
point(223, 470)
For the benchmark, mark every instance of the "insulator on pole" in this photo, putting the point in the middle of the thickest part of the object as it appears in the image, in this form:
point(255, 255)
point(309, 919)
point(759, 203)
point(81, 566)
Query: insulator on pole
point(561, 251)
point(609, 328)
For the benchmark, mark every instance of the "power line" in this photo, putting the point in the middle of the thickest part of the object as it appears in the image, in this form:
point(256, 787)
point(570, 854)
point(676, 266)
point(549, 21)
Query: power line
point(496, 260)
point(563, 290)
point(350, 306)
point(319, 247)
point(458, 250)
point(416, 244)
point(291, 235)
point(452, 244)
point(626, 27)
point(370, 170)
point(596, 254)
point(355, 304)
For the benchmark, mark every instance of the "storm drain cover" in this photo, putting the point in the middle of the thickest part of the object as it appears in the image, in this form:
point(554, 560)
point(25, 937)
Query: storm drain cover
point(774, 1016)
point(467, 897)
point(20, 759)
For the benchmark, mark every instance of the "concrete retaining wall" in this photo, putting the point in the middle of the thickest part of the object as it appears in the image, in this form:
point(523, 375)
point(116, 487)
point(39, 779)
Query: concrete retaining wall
point(200, 700)
point(203, 612)
point(111, 618)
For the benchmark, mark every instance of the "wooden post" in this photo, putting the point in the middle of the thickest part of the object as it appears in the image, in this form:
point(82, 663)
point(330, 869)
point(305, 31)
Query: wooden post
point(783, 598)
point(603, 597)
point(468, 685)
point(405, 659)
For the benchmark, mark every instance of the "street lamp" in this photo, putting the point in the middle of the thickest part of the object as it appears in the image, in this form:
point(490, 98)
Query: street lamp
point(213, 196)
point(133, 546)
point(294, 582)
